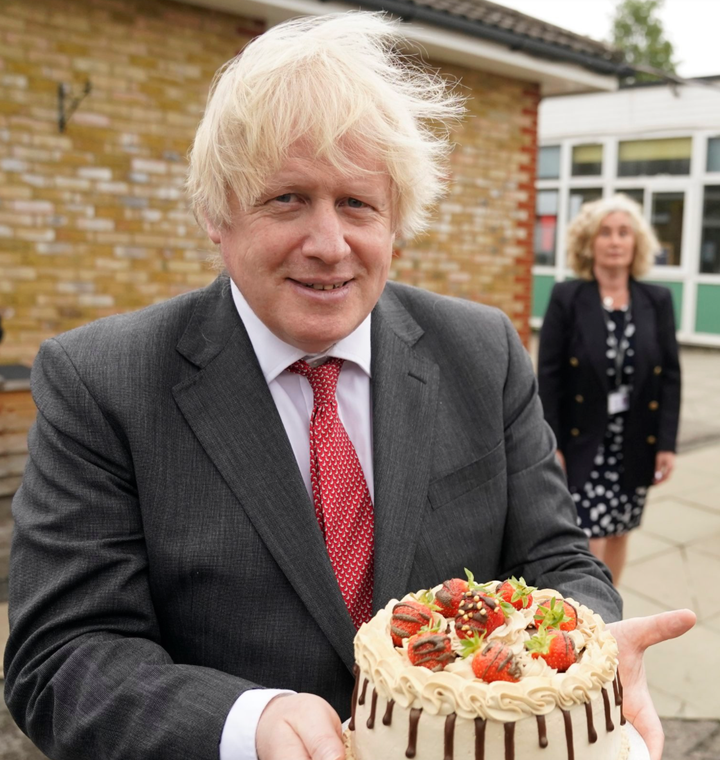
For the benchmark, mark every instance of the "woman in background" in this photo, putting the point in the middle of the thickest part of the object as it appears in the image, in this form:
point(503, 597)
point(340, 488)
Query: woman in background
point(609, 374)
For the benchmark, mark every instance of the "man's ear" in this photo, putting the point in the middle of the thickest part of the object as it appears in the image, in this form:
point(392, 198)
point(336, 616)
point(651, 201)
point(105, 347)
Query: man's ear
point(213, 231)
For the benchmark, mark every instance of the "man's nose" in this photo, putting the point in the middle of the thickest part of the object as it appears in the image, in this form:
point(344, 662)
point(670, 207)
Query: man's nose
point(325, 237)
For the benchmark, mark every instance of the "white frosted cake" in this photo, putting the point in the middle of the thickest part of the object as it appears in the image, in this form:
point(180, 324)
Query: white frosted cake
point(476, 683)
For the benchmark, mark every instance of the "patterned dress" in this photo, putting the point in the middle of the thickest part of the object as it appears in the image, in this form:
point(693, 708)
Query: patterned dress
point(604, 507)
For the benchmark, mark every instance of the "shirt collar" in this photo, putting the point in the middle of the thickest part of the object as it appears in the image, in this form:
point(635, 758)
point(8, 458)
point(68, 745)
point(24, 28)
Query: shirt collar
point(274, 355)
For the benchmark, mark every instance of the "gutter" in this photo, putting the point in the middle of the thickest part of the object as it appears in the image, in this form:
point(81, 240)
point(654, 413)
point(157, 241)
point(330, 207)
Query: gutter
point(508, 39)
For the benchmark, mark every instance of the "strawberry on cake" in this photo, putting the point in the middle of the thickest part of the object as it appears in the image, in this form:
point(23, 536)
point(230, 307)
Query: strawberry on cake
point(486, 671)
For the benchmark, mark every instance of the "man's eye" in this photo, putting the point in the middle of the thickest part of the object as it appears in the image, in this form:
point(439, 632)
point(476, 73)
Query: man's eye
point(285, 197)
point(355, 203)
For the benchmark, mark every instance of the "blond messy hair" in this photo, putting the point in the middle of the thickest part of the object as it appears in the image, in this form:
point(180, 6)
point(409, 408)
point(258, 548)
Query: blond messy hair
point(585, 226)
point(340, 84)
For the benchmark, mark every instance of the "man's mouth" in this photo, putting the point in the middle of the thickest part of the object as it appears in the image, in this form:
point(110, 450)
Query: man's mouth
point(321, 286)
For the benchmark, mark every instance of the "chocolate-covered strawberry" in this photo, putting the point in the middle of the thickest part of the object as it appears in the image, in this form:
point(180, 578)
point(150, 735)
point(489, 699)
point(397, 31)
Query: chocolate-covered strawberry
point(407, 619)
point(516, 592)
point(479, 614)
point(430, 649)
point(556, 613)
point(554, 646)
point(496, 663)
point(448, 598)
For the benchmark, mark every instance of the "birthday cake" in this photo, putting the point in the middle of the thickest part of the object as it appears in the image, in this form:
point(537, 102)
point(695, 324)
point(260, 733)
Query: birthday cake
point(492, 671)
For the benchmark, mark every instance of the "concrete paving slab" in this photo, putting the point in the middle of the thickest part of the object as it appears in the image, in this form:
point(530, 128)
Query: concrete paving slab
point(714, 624)
point(709, 545)
point(687, 668)
point(639, 605)
point(707, 459)
point(677, 578)
point(679, 521)
point(643, 545)
point(708, 497)
point(683, 483)
point(667, 705)
point(691, 739)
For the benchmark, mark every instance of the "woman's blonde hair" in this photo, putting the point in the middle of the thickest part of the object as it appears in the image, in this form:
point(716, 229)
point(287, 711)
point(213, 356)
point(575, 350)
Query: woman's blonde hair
point(339, 84)
point(585, 226)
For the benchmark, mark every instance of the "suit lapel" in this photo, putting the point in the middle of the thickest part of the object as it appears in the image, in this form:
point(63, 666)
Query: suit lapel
point(592, 325)
point(405, 392)
point(643, 316)
point(229, 407)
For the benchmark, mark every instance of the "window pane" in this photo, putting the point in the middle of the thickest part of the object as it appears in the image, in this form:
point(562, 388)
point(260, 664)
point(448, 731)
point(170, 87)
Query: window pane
point(636, 193)
point(580, 196)
point(710, 246)
point(549, 162)
point(648, 157)
point(667, 219)
point(587, 160)
point(546, 226)
point(713, 158)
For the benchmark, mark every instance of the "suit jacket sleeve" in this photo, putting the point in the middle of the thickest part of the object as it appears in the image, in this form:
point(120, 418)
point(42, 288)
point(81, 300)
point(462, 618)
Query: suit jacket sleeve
point(670, 378)
point(542, 540)
point(84, 667)
point(552, 362)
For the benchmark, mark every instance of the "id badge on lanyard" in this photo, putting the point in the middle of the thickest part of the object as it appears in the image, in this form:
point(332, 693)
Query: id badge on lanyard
point(619, 400)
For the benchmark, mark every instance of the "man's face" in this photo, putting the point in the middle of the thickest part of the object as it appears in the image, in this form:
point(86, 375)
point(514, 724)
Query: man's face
point(312, 256)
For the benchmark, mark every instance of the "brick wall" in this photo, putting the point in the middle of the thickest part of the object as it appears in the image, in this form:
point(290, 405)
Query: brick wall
point(480, 246)
point(93, 221)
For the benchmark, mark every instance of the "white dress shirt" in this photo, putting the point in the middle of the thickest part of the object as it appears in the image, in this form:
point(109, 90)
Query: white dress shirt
point(293, 398)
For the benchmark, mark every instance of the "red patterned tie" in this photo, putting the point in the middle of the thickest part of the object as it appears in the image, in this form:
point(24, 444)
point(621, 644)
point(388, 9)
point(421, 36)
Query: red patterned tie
point(342, 500)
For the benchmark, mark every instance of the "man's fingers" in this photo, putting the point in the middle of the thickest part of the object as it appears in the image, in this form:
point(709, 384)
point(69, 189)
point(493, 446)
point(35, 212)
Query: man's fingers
point(328, 748)
point(667, 625)
point(648, 725)
point(299, 727)
point(645, 632)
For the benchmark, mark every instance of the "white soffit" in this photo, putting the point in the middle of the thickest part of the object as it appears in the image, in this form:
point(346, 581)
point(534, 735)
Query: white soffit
point(554, 77)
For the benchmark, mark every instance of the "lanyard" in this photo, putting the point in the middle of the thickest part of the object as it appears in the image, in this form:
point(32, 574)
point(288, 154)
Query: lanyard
point(620, 343)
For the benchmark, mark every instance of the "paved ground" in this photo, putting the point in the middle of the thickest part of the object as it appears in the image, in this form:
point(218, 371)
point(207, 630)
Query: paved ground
point(674, 562)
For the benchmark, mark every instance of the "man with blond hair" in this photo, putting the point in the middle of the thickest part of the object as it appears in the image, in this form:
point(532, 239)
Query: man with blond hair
point(223, 487)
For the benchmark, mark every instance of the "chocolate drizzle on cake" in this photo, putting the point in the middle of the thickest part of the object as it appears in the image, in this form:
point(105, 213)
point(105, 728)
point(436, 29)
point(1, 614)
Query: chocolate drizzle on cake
point(616, 693)
point(510, 741)
point(480, 738)
point(361, 699)
point(373, 707)
point(542, 731)
point(620, 692)
point(609, 725)
point(449, 746)
point(567, 718)
point(387, 718)
point(353, 703)
point(415, 713)
point(592, 733)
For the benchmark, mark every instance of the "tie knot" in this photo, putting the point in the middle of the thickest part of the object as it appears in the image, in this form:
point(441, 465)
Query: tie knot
point(323, 379)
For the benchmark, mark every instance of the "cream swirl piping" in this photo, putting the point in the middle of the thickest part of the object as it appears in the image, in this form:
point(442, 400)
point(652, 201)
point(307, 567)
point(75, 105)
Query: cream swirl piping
point(456, 690)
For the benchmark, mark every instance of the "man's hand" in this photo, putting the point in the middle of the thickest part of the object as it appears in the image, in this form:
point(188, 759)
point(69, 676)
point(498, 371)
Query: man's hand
point(664, 465)
point(634, 636)
point(299, 727)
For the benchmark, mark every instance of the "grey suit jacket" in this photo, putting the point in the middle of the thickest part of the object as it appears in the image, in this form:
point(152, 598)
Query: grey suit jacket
point(166, 555)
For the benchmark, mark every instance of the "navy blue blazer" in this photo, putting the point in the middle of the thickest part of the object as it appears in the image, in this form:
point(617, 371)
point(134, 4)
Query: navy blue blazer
point(574, 386)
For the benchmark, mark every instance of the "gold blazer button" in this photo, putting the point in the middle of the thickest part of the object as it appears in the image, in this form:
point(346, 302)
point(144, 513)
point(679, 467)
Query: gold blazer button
point(579, 399)
point(653, 405)
point(574, 361)
point(657, 370)
point(651, 439)
point(575, 432)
